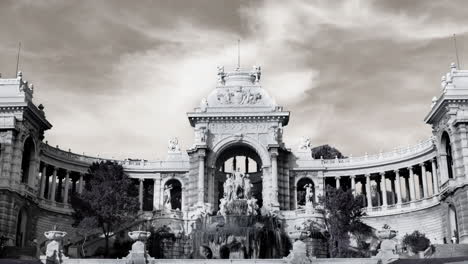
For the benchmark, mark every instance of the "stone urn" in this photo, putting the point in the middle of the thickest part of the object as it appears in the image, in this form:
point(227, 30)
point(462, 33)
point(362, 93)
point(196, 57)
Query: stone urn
point(55, 235)
point(139, 235)
point(54, 252)
point(386, 233)
point(138, 254)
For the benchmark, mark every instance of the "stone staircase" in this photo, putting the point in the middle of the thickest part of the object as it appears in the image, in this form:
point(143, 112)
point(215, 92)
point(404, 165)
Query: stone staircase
point(12, 252)
point(450, 250)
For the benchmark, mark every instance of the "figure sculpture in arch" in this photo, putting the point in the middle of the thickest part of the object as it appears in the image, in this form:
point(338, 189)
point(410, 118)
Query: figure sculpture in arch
point(309, 195)
point(229, 188)
point(167, 197)
point(239, 184)
point(247, 187)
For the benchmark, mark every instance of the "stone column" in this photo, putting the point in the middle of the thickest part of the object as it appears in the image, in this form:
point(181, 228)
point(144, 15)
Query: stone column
point(67, 183)
point(246, 164)
point(140, 193)
point(274, 177)
point(383, 185)
point(53, 185)
point(435, 182)
point(337, 180)
point(43, 181)
point(157, 192)
point(424, 180)
point(201, 178)
point(398, 186)
point(411, 184)
point(80, 186)
point(368, 191)
point(353, 184)
point(234, 164)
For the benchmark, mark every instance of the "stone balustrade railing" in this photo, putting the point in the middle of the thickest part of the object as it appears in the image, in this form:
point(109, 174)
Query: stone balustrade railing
point(397, 153)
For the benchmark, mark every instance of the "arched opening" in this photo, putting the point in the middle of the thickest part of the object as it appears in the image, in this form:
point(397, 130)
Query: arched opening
point(447, 147)
point(238, 160)
point(172, 198)
point(28, 157)
point(21, 228)
point(305, 192)
point(453, 225)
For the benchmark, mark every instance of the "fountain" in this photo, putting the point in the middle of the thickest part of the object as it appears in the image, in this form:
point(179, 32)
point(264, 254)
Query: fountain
point(239, 231)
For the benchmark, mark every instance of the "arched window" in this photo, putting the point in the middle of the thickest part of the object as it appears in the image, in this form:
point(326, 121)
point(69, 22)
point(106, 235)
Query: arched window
point(28, 157)
point(453, 225)
point(305, 190)
point(172, 198)
point(447, 147)
point(21, 228)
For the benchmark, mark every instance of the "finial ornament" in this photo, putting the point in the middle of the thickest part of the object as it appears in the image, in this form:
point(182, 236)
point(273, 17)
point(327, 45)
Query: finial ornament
point(434, 101)
point(257, 72)
point(19, 75)
point(221, 75)
point(453, 65)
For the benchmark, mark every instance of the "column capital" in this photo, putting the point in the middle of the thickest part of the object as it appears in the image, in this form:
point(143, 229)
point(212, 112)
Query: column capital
point(367, 175)
point(382, 173)
point(397, 171)
point(352, 176)
point(337, 177)
point(67, 172)
point(55, 169)
point(410, 168)
point(141, 179)
point(421, 164)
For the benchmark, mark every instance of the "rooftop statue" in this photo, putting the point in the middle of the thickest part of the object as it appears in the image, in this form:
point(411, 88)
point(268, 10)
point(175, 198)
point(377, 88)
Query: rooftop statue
point(174, 145)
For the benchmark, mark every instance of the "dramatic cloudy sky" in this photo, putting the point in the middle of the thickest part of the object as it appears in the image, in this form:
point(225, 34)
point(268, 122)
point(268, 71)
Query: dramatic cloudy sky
point(117, 77)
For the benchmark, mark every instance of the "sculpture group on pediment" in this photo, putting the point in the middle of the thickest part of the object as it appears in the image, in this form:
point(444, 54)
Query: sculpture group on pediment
point(257, 72)
point(239, 96)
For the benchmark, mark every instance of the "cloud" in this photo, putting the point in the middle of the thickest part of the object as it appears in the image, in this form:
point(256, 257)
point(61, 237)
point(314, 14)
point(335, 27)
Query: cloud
point(353, 73)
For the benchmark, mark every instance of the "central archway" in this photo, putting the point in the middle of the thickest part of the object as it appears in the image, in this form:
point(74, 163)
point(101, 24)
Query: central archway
point(238, 158)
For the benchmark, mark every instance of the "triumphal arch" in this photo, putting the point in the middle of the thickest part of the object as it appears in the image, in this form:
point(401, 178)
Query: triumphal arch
point(239, 167)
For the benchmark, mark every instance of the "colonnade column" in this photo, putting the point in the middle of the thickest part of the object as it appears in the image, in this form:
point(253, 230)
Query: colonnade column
point(53, 185)
point(435, 182)
point(424, 180)
point(43, 181)
point(337, 180)
point(246, 165)
point(201, 178)
point(67, 183)
point(398, 186)
point(411, 184)
point(157, 192)
point(140, 194)
point(353, 184)
point(383, 185)
point(368, 191)
point(80, 187)
point(274, 176)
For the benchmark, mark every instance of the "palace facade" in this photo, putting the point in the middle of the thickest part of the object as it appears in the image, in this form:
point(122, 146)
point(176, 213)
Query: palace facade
point(238, 127)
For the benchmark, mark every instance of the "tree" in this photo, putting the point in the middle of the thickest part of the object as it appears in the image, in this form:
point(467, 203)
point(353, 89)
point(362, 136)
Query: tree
point(342, 213)
point(326, 152)
point(110, 200)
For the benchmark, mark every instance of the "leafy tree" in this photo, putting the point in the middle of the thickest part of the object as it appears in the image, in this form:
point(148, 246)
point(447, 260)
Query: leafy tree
point(326, 152)
point(416, 241)
point(342, 213)
point(109, 200)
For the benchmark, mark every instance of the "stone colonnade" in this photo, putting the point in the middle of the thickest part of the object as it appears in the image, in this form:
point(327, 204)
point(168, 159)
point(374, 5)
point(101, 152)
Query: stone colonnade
point(408, 181)
point(57, 184)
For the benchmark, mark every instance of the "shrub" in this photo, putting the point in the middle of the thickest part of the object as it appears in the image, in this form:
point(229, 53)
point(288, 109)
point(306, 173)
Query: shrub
point(417, 241)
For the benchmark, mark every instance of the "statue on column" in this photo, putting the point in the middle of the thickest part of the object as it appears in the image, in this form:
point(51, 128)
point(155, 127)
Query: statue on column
point(167, 197)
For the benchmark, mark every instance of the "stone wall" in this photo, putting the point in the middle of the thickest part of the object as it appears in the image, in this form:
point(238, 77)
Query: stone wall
point(428, 221)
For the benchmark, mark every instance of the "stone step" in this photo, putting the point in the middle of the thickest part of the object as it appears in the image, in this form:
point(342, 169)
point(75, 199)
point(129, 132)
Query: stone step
point(450, 250)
